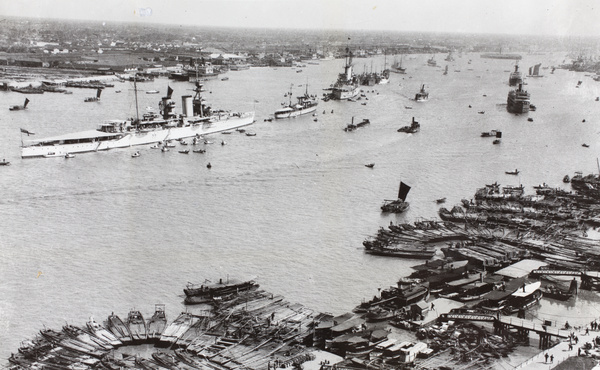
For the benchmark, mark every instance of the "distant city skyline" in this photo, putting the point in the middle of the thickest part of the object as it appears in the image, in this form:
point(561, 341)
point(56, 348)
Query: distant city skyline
point(535, 17)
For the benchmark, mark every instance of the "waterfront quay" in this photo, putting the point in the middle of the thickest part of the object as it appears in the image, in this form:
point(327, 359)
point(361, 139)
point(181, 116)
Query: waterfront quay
point(473, 307)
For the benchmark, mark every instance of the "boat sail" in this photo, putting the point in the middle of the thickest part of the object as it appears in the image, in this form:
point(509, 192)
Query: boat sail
point(535, 71)
point(400, 204)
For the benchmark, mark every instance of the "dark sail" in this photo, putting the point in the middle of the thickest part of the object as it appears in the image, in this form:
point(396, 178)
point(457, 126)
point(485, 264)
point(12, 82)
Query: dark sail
point(403, 191)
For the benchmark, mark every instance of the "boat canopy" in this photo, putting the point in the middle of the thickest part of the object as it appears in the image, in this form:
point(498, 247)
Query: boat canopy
point(527, 289)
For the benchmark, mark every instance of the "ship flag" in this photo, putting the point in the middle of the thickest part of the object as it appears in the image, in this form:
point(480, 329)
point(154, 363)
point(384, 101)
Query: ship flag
point(26, 132)
point(26, 102)
point(169, 92)
point(403, 191)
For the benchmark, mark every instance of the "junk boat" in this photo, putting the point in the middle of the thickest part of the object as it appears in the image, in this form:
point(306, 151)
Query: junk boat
point(306, 104)
point(525, 297)
point(137, 326)
point(400, 204)
point(414, 127)
point(157, 323)
point(197, 119)
point(28, 90)
point(515, 78)
point(353, 126)
point(94, 98)
point(101, 332)
point(515, 172)
point(518, 100)
point(535, 71)
point(205, 293)
point(177, 328)
point(422, 95)
point(346, 86)
point(19, 107)
point(118, 328)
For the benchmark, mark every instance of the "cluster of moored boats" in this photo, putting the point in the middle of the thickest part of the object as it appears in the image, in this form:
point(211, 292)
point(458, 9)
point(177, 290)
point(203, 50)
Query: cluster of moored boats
point(246, 328)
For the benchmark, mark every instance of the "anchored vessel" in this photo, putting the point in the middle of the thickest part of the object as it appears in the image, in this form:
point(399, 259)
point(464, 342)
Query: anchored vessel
point(414, 127)
point(197, 119)
point(397, 66)
point(306, 104)
point(205, 293)
point(515, 77)
point(518, 100)
point(346, 86)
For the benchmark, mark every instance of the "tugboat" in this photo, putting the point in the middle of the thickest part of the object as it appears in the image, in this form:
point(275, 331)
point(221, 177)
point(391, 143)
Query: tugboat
point(398, 205)
point(352, 126)
point(414, 127)
point(306, 104)
point(346, 86)
point(422, 95)
point(515, 77)
point(518, 100)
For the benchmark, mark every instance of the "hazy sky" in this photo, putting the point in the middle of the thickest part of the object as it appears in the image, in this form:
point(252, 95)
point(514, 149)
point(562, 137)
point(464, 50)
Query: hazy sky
point(545, 17)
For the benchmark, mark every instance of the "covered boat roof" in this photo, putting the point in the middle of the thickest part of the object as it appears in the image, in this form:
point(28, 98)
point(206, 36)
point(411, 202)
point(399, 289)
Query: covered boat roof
point(521, 268)
point(527, 289)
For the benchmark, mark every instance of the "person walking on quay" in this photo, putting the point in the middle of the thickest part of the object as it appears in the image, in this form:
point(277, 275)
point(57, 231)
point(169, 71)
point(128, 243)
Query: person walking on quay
point(546, 355)
point(551, 358)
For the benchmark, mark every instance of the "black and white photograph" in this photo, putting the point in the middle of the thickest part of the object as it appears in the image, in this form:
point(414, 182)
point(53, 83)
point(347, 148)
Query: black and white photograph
point(299, 184)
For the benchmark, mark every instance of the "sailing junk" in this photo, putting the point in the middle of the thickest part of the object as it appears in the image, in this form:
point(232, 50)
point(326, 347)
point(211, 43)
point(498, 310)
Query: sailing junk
point(94, 98)
point(535, 71)
point(19, 107)
point(398, 205)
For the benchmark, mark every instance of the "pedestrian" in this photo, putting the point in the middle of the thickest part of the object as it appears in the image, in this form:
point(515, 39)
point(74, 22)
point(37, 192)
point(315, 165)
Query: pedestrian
point(551, 358)
point(579, 351)
point(546, 355)
point(587, 331)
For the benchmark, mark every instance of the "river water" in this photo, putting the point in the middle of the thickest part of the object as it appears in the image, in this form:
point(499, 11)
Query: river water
point(106, 232)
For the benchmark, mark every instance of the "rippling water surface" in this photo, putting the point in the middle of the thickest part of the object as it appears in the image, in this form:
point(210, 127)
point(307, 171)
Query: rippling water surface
point(105, 232)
